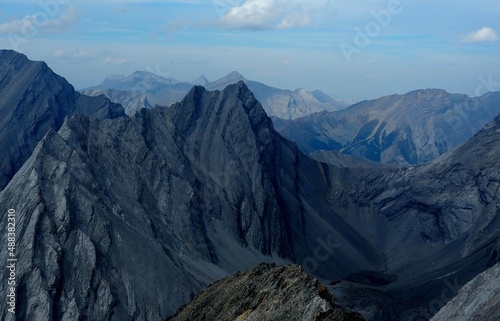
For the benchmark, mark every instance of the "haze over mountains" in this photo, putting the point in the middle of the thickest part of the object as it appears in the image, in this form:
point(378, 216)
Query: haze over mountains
point(128, 218)
point(157, 90)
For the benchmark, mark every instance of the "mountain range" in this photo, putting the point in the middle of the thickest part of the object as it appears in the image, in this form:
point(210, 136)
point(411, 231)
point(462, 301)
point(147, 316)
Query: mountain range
point(162, 91)
point(408, 129)
point(130, 217)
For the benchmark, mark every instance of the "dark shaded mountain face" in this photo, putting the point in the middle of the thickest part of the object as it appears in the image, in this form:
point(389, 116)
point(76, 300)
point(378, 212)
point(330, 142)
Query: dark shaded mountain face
point(160, 91)
point(404, 129)
point(441, 220)
point(267, 292)
point(129, 218)
point(34, 99)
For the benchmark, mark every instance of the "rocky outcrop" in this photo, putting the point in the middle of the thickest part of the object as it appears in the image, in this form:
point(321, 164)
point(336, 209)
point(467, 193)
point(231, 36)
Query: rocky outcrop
point(267, 292)
point(33, 100)
point(478, 300)
point(403, 129)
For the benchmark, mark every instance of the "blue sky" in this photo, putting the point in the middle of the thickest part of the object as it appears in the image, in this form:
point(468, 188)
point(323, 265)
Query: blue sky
point(349, 49)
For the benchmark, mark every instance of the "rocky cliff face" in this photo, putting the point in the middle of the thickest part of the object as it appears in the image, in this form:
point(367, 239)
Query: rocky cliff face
point(267, 292)
point(404, 129)
point(35, 99)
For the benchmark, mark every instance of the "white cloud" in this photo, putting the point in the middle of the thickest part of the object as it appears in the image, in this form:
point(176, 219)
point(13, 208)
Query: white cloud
point(41, 21)
point(274, 14)
point(485, 34)
point(297, 20)
point(252, 14)
point(59, 54)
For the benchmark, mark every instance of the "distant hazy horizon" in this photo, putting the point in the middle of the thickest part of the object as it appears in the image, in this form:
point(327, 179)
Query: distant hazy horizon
point(360, 50)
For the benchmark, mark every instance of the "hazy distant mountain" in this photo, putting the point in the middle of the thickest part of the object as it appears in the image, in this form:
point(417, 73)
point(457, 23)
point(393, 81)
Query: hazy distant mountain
point(160, 91)
point(282, 103)
point(406, 129)
point(266, 292)
point(142, 81)
point(132, 101)
point(129, 218)
point(155, 89)
point(200, 81)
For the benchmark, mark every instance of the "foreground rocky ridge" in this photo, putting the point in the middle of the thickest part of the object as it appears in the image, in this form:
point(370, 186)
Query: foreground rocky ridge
point(267, 292)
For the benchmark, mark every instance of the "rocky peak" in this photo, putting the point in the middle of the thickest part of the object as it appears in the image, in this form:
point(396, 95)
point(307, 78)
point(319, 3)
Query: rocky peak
point(200, 81)
point(150, 77)
point(231, 78)
point(234, 99)
point(235, 76)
